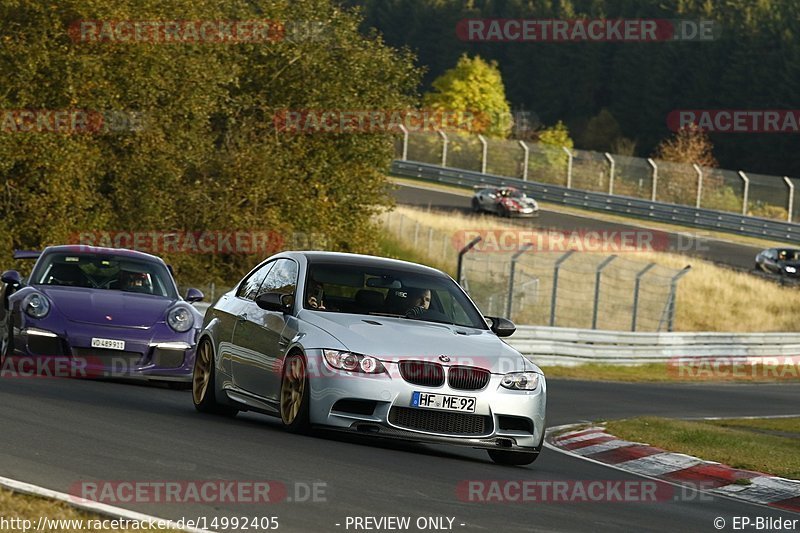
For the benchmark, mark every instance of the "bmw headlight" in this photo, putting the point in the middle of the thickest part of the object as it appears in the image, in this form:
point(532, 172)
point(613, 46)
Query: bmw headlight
point(520, 381)
point(790, 269)
point(36, 305)
point(180, 319)
point(353, 362)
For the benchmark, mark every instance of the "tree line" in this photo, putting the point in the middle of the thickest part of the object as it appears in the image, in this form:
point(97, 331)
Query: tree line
point(105, 129)
point(617, 96)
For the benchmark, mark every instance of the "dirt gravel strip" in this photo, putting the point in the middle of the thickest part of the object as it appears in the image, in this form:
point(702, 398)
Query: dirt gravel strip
point(593, 443)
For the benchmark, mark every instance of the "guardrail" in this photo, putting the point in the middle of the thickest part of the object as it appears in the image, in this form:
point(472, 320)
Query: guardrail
point(569, 346)
point(656, 211)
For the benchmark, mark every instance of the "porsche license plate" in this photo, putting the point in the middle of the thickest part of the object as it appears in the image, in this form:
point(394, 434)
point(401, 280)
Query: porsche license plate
point(109, 344)
point(446, 402)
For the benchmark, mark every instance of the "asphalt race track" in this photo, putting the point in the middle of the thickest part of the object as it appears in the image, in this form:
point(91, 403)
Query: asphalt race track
point(738, 256)
point(58, 432)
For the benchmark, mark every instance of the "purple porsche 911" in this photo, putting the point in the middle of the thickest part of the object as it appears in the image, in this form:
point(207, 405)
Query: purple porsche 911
point(108, 312)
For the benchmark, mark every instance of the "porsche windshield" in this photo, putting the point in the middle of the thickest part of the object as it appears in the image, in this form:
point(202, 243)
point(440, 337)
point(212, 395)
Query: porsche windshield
point(104, 271)
point(374, 290)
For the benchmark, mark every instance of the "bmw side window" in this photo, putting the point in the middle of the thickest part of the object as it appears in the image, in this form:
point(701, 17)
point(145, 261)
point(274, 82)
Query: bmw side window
point(249, 287)
point(282, 278)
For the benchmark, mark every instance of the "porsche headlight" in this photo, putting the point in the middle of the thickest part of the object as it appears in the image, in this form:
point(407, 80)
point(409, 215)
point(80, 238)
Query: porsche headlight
point(36, 305)
point(791, 269)
point(180, 319)
point(353, 362)
point(521, 381)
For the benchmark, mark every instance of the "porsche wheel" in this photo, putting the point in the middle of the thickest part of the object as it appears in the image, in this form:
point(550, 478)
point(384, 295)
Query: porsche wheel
point(203, 383)
point(508, 458)
point(294, 404)
point(476, 206)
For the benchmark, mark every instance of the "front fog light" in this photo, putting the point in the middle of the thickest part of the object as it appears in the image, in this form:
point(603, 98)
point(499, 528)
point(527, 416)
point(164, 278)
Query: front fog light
point(521, 381)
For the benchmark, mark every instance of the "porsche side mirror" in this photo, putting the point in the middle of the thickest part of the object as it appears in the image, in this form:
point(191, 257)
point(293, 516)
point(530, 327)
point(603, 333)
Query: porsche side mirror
point(274, 301)
point(11, 277)
point(502, 327)
point(194, 295)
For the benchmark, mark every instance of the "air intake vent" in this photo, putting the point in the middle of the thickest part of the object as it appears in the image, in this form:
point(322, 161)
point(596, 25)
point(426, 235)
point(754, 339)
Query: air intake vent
point(468, 377)
point(440, 422)
point(422, 373)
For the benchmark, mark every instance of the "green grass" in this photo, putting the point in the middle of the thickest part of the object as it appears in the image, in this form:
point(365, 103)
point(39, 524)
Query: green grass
point(788, 425)
point(663, 372)
point(25, 507)
point(709, 440)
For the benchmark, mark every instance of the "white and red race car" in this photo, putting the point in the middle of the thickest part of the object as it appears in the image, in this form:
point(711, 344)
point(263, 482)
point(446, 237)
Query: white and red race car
point(504, 201)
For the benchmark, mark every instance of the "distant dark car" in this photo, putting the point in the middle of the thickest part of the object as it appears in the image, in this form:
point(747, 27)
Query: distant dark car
point(781, 261)
point(504, 201)
point(115, 311)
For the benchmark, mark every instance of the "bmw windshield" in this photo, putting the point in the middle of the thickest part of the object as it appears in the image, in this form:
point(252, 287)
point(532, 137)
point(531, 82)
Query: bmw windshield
point(375, 290)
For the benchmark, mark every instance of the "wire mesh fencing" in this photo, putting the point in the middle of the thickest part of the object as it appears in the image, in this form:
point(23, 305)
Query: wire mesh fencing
point(590, 290)
point(573, 289)
point(747, 193)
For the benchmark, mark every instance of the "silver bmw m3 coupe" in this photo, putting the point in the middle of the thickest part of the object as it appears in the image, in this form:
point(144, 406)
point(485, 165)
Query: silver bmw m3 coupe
point(371, 345)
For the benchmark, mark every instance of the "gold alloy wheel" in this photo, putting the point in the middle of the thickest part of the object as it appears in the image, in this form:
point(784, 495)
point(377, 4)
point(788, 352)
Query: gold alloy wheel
point(293, 387)
point(202, 372)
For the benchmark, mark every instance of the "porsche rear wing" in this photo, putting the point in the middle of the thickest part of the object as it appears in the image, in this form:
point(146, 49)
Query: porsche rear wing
point(27, 254)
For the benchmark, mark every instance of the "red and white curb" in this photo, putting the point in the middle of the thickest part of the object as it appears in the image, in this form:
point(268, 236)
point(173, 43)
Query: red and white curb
point(593, 443)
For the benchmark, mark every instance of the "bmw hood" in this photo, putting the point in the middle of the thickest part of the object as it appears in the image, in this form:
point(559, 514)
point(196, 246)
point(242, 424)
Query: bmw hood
point(395, 339)
point(106, 307)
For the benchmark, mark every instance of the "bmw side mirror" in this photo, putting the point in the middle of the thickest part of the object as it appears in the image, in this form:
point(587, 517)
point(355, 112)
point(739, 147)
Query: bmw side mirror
point(274, 301)
point(502, 327)
point(11, 277)
point(194, 295)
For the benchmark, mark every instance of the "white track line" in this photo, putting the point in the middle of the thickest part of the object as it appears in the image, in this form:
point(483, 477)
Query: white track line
point(88, 505)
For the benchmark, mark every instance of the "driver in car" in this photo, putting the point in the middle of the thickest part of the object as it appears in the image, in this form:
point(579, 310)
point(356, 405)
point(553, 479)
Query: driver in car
point(420, 302)
point(136, 282)
point(315, 291)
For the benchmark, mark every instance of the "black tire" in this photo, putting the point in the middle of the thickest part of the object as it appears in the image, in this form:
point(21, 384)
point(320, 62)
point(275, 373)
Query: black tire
point(476, 206)
point(504, 212)
point(294, 389)
point(7, 344)
point(203, 391)
point(509, 458)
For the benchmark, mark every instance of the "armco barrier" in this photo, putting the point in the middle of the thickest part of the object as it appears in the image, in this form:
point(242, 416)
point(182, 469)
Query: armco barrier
point(568, 346)
point(656, 211)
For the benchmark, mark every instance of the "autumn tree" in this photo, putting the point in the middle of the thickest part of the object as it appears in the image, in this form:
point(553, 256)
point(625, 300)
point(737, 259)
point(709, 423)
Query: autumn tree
point(474, 87)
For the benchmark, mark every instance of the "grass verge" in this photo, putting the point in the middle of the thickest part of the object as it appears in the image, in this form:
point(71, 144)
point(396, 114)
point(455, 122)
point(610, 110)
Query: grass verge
point(709, 298)
point(680, 372)
point(739, 447)
point(390, 246)
point(61, 518)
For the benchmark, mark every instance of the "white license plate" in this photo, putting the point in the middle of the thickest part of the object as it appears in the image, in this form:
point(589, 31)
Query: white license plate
point(446, 402)
point(109, 344)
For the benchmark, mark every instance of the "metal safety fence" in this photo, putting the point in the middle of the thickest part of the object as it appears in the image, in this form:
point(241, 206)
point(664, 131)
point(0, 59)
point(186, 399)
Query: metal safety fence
point(551, 288)
point(745, 193)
